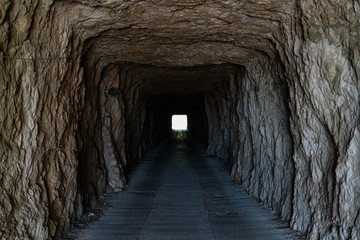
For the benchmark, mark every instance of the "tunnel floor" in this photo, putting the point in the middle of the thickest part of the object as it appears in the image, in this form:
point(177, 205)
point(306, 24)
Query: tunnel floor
point(178, 192)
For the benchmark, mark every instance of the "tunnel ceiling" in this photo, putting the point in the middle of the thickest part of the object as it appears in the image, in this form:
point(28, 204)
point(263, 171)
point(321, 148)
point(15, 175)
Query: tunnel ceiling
point(179, 81)
point(167, 39)
point(177, 33)
point(173, 104)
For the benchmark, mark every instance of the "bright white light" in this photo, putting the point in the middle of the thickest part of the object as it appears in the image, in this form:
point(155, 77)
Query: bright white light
point(179, 123)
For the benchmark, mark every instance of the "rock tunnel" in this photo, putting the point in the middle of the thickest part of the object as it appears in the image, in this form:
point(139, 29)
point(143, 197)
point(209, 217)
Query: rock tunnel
point(271, 87)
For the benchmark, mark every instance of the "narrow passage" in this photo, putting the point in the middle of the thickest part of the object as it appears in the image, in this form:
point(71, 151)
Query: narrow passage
point(177, 192)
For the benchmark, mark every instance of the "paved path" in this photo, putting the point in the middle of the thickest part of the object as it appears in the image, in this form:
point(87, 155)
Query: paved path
point(177, 192)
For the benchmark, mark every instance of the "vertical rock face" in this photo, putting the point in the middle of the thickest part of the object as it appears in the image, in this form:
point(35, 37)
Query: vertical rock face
point(279, 79)
point(324, 101)
point(40, 100)
point(253, 131)
point(110, 137)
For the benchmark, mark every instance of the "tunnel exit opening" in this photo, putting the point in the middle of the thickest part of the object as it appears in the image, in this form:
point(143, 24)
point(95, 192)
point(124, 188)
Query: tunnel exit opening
point(179, 123)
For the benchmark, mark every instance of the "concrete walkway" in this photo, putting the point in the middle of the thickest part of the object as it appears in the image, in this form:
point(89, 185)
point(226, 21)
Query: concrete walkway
point(177, 192)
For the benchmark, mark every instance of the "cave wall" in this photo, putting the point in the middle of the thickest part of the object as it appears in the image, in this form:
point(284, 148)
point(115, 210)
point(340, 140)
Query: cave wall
point(40, 100)
point(323, 74)
point(321, 61)
point(253, 132)
point(50, 112)
point(111, 128)
point(135, 113)
point(113, 122)
point(92, 176)
point(263, 143)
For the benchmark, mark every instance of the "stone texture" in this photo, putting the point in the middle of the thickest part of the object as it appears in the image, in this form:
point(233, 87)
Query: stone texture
point(280, 81)
point(253, 102)
point(40, 104)
point(115, 173)
point(325, 120)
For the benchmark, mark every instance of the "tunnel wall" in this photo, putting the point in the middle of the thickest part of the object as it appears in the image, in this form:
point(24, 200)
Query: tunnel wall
point(253, 132)
point(135, 114)
point(40, 101)
point(319, 51)
point(43, 101)
point(112, 129)
point(92, 170)
point(323, 65)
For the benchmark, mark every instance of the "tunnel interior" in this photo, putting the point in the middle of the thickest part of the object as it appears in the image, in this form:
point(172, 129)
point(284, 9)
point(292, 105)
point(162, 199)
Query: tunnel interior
point(217, 99)
point(147, 98)
point(271, 87)
point(236, 97)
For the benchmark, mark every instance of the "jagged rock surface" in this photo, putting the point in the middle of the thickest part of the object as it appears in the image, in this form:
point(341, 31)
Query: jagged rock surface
point(324, 101)
point(292, 104)
point(254, 103)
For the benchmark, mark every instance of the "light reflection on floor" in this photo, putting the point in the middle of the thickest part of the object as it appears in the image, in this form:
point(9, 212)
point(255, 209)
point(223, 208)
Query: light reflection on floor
point(180, 137)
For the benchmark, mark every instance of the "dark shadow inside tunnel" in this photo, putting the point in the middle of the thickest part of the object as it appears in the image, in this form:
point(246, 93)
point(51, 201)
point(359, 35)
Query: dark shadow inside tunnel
point(165, 106)
point(239, 114)
point(138, 116)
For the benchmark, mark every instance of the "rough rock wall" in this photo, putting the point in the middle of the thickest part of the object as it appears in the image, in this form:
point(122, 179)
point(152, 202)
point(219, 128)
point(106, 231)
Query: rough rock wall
point(215, 137)
point(109, 150)
point(135, 113)
point(40, 100)
point(43, 100)
point(319, 49)
point(113, 127)
point(253, 123)
point(92, 169)
point(323, 74)
point(263, 120)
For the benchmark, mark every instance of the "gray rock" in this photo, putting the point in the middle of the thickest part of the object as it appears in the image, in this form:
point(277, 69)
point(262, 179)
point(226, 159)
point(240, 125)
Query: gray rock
point(280, 81)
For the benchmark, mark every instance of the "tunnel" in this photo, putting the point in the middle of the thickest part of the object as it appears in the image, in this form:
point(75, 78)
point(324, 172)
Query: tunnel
point(270, 89)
